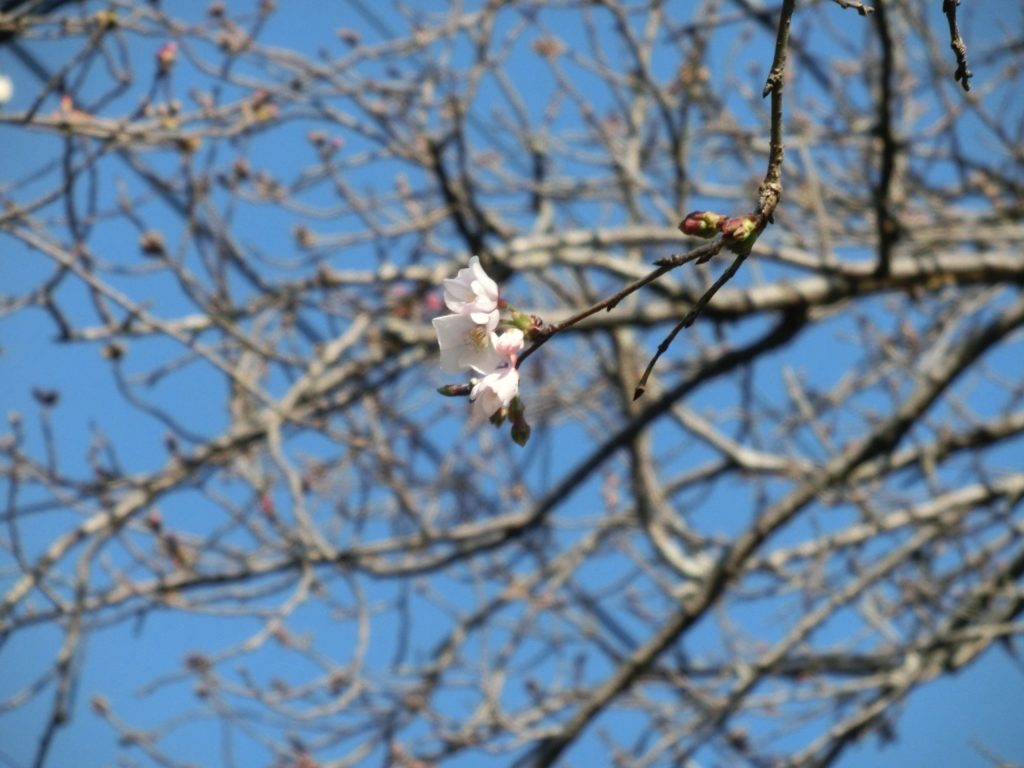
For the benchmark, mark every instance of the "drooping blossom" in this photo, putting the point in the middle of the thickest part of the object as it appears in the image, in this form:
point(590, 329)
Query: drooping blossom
point(495, 391)
point(499, 386)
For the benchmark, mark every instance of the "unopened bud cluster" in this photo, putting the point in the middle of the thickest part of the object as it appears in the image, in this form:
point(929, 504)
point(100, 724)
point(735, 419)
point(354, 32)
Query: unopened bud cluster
point(737, 231)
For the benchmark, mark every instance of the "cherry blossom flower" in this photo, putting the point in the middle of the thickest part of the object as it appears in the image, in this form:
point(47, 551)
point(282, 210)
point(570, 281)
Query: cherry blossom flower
point(467, 339)
point(495, 391)
point(465, 336)
point(472, 292)
point(499, 387)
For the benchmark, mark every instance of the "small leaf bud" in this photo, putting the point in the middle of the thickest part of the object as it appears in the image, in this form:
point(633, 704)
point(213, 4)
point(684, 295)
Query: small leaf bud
point(455, 390)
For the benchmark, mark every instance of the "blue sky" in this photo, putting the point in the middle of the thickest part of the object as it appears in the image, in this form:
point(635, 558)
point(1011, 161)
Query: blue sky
point(937, 724)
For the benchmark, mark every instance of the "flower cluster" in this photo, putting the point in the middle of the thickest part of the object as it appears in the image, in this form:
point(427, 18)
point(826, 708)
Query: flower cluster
point(469, 340)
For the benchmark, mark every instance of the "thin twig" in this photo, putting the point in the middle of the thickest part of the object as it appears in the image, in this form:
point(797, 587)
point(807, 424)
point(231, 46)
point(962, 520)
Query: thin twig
point(771, 188)
point(963, 74)
point(860, 8)
point(700, 255)
point(887, 225)
point(769, 193)
point(688, 320)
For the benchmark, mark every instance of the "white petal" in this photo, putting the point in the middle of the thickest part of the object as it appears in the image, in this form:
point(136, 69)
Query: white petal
point(495, 390)
point(506, 386)
point(471, 290)
point(485, 404)
point(464, 344)
point(457, 294)
point(485, 286)
point(487, 319)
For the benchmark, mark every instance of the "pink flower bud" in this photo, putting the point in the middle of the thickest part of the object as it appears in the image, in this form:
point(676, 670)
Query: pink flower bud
point(740, 229)
point(166, 56)
point(701, 223)
point(509, 343)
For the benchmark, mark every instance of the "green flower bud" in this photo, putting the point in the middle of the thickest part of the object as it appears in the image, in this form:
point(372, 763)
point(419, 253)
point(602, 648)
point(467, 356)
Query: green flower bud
point(455, 390)
point(519, 320)
point(520, 432)
point(520, 428)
